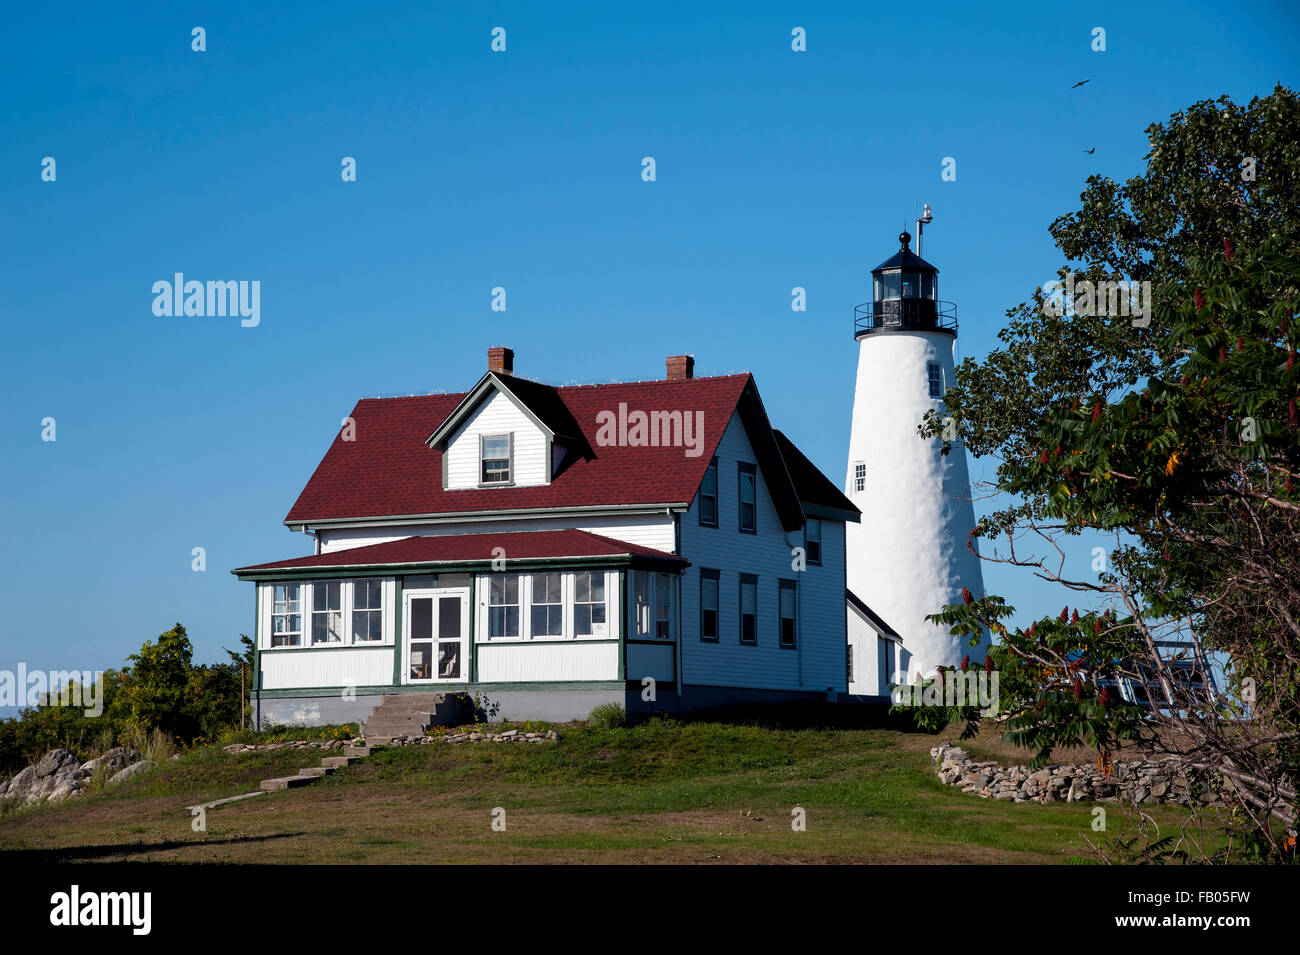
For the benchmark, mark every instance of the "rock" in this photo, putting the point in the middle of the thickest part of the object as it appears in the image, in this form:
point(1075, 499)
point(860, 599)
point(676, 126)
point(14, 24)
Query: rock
point(52, 761)
point(135, 769)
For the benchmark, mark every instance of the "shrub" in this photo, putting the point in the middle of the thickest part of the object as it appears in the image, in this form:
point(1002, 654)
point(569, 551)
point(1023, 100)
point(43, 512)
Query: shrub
point(608, 716)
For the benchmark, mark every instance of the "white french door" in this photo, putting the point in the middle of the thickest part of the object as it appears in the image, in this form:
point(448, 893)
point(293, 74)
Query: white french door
point(435, 629)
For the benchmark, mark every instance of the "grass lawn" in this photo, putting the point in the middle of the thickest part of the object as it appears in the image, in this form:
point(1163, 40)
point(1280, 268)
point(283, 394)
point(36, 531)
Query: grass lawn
point(661, 792)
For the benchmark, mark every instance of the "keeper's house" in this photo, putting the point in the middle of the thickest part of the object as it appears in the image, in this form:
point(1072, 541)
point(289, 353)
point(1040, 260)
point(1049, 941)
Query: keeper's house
point(656, 544)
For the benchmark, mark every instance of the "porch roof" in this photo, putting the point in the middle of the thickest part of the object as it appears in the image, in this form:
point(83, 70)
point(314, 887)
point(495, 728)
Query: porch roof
point(471, 551)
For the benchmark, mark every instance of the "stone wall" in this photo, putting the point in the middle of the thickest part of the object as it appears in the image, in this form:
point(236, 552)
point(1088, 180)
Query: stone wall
point(1141, 781)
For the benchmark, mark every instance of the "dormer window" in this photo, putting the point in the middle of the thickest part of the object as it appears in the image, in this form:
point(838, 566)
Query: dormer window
point(496, 454)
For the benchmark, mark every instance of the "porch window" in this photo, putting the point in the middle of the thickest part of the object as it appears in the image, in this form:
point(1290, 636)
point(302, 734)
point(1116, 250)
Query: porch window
point(367, 611)
point(787, 621)
point(748, 496)
point(286, 615)
point(589, 604)
point(812, 540)
point(548, 606)
point(640, 602)
point(709, 496)
point(708, 604)
point(748, 608)
point(327, 612)
point(663, 602)
point(495, 454)
point(503, 605)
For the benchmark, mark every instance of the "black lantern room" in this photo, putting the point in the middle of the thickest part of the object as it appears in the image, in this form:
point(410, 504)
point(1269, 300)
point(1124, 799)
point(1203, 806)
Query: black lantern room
point(906, 298)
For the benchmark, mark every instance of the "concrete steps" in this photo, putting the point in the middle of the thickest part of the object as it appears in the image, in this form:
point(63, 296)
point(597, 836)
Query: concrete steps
point(310, 774)
point(410, 714)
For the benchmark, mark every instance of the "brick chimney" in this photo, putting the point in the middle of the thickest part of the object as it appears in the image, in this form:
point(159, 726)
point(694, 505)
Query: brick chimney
point(681, 367)
point(501, 360)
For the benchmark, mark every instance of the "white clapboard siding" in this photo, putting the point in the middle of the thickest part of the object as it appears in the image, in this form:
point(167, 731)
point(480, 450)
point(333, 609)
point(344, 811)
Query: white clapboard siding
point(818, 662)
point(497, 415)
point(547, 662)
point(647, 530)
point(350, 666)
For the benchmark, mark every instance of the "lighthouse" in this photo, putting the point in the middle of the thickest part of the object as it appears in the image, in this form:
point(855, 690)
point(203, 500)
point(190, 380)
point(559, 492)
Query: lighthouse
point(909, 555)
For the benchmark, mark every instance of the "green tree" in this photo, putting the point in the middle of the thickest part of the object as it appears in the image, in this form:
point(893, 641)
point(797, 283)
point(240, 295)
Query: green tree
point(1179, 439)
point(157, 683)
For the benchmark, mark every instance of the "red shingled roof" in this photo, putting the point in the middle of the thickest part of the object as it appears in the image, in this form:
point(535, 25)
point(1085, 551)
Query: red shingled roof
point(390, 471)
point(459, 548)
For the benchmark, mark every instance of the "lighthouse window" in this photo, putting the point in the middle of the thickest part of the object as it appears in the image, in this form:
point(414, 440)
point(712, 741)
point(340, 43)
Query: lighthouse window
point(748, 511)
point(859, 477)
point(927, 285)
point(911, 284)
point(936, 380)
point(890, 281)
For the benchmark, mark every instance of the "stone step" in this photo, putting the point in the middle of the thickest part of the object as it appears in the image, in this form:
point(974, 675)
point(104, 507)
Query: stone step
point(338, 762)
point(412, 697)
point(393, 729)
point(415, 719)
point(287, 782)
point(316, 771)
point(360, 751)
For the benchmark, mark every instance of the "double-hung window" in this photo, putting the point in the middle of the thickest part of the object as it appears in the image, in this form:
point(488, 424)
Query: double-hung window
point(286, 615)
point(367, 611)
point(786, 598)
point(548, 606)
point(859, 477)
point(327, 612)
point(495, 454)
point(709, 496)
point(812, 540)
point(748, 608)
point(503, 605)
point(748, 498)
point(708, 604)
point(589, 604)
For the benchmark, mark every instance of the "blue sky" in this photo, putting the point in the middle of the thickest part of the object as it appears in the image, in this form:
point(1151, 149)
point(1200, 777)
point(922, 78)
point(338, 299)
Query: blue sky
point(477, 169)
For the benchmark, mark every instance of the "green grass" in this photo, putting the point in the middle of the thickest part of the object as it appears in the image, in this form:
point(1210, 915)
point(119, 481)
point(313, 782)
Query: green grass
point(656, 792)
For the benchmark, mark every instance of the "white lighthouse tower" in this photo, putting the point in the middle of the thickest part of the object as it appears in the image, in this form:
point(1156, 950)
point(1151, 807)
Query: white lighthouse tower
point(908, 557)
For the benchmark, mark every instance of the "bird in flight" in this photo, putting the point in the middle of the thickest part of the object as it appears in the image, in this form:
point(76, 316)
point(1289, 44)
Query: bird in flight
point(1080, 83)
point(1091, 151)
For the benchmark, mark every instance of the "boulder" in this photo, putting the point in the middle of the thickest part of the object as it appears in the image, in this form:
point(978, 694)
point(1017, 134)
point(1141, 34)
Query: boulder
point(52, 761)
point(135, 769)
